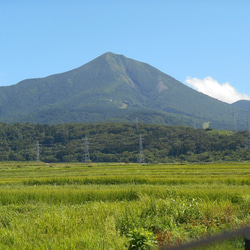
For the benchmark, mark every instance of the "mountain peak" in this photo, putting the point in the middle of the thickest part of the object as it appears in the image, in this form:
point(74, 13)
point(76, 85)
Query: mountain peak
point(111, 54)
point(111, 87)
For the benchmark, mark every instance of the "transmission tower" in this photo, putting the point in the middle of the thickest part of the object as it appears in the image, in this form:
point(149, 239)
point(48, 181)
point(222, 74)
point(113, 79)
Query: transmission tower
point(234, 121)
point(86, 150)
point(141, 158)
point(37, 151)
point(194, 125)
point(136, 123)
point(248, 135)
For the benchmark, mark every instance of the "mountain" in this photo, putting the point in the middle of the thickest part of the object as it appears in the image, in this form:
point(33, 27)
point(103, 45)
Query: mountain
point(113, 88)
point(242, 104)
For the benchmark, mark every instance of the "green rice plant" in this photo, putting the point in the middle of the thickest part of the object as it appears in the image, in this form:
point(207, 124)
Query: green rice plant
point(108, 206)
point(177, 220)
point(40, 226)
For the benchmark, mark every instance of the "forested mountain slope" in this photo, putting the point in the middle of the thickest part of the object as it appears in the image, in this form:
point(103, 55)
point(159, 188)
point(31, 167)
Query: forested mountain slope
point(243, 104)
point(118, 89)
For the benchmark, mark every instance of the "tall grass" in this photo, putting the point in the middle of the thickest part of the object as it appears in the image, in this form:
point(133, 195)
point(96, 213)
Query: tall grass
point(75, 206)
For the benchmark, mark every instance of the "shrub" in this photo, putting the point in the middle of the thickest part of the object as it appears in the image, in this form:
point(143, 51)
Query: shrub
point(140, 238)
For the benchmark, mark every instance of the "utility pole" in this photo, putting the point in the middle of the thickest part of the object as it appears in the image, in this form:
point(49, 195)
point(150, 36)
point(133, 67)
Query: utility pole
point(86, 150)
point(141, 158)
point(37, 151)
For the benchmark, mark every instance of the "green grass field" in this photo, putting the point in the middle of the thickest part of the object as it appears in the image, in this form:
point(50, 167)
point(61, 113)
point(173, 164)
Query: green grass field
point(120, 206)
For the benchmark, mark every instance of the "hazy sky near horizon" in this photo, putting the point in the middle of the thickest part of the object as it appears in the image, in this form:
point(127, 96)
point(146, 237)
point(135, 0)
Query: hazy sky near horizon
point(203, 44)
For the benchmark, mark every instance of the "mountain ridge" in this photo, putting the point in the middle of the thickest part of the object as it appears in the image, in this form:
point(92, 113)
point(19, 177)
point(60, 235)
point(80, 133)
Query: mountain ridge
point(112, 87)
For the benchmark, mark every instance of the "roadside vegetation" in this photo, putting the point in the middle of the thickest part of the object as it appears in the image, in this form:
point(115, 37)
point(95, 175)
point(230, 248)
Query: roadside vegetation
point(120, 206)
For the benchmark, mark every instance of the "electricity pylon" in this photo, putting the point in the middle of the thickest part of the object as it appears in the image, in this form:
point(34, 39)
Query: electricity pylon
point(248, 135)
point(234, 121)
point(86, 150)
point(136, 123)
point(37, 151)
point(141, 158)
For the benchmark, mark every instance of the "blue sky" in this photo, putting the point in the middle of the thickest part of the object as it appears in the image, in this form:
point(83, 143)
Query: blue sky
point(203, 44)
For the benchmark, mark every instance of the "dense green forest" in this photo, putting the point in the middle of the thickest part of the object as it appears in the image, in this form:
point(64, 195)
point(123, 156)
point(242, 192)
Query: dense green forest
point(116, 142)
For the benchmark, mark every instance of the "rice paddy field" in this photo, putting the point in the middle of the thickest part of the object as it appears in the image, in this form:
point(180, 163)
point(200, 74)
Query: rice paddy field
point(121, 206)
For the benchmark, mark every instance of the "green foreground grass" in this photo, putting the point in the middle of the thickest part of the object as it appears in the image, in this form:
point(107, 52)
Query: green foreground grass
point(118, 206)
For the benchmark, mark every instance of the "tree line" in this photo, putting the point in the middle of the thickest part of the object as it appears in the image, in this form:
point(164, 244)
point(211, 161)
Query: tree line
point(119, 142)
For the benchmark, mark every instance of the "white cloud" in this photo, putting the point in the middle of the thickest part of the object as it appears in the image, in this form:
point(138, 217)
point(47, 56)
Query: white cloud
point(223, 92)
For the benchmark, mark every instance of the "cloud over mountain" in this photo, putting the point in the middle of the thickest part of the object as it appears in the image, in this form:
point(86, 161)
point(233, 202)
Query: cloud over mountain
point(223, 92)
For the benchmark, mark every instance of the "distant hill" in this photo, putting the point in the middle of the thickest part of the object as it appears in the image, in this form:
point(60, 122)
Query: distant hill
point(113, 88)
point(243, 104)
